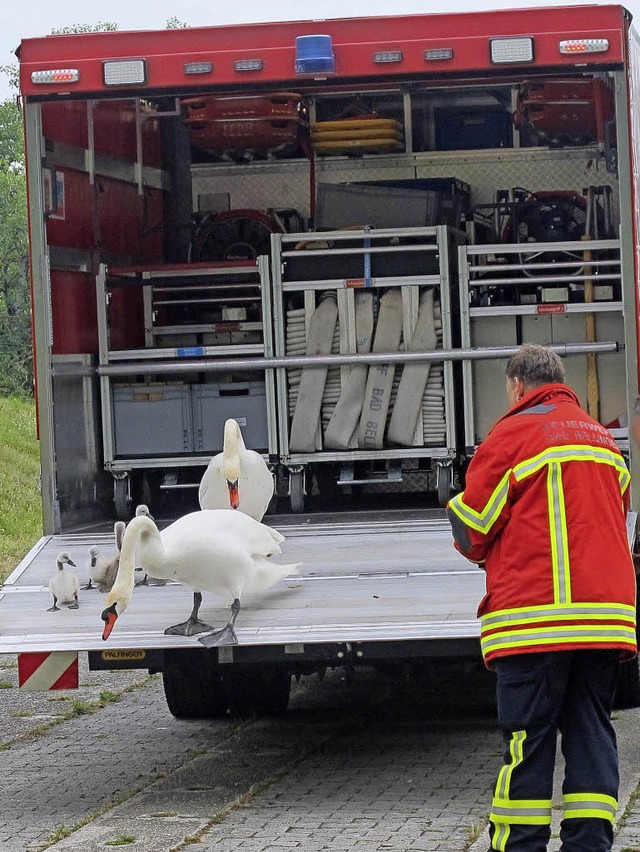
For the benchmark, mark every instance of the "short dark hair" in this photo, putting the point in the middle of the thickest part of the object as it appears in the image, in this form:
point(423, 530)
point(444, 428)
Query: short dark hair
point(535, 365)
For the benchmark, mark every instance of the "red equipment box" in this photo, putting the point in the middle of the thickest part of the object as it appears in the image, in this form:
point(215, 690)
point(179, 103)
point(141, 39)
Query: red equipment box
point(259, 123)
point(566, 112)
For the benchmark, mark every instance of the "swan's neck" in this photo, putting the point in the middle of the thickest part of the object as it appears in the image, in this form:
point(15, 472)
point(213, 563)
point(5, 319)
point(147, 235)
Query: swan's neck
point(233, 446)
point(125, 578)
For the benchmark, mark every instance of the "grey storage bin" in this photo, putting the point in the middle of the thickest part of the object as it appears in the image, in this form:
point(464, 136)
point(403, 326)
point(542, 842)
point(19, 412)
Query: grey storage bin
point(341, 205)
point(244, 401)
point(152, 419)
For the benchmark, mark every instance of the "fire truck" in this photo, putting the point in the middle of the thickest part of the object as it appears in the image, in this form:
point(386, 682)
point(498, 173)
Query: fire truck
point(334, 232)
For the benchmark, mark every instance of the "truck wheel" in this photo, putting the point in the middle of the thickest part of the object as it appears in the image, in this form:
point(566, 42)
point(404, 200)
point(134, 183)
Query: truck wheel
point(296, 492)
point(443, 484)
point(193, 686)
point(258, 691)
point(121, 498)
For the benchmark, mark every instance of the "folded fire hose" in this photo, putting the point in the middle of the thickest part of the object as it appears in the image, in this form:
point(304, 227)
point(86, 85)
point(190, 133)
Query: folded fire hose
point(306, 417)
point(344, 419)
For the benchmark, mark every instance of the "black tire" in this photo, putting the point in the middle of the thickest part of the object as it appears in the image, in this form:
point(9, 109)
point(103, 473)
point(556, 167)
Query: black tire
point(443, 485)
point(254, 691)
point(121, 499)
point(296, 492)
point(193, 686)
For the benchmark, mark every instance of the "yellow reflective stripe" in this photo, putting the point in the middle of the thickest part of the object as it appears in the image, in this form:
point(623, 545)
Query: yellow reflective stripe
point(563, 634)
point(482, 521)
point(523, 616)
point(516, 748)
point(572, 452)
point(558, 535)
point(521, 811)
point(583, 805)
point(501, 833)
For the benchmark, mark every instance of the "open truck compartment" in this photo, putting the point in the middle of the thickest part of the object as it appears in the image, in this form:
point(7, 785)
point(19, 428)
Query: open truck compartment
point(336, 238)
point(199, 220)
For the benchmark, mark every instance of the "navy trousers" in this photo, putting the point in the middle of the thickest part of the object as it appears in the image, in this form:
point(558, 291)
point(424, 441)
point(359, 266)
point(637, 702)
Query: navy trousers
point(541, 695)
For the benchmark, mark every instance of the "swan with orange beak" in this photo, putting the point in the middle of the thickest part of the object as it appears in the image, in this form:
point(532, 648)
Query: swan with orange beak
point(213, 550)
point(237, 478)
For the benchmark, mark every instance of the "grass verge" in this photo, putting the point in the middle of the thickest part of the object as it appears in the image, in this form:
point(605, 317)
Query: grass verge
point(20, 506)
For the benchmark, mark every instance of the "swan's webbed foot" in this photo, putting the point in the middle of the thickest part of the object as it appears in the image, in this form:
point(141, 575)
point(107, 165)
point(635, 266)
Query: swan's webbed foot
point(87, 587)
point(190, 627)
point(54, 608)
point(74, 606)
point(226, 636)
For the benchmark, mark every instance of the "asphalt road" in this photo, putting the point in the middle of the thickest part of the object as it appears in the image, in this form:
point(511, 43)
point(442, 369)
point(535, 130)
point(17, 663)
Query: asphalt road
point(374, 764)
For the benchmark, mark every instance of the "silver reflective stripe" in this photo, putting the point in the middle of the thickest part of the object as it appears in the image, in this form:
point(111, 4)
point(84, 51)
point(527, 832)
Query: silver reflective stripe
point(541, 408)
point(593, 805)
point(515, 811)
point(551, 635)
point(559, 613)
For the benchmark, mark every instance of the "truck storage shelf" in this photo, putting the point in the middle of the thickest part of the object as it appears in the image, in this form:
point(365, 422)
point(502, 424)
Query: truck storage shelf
point(354, 283)
point(182, 353)
point(325, 166)
point(123, 464)
point(546, 308)
point(424, 451)
point(169, 271)
point(215, 327)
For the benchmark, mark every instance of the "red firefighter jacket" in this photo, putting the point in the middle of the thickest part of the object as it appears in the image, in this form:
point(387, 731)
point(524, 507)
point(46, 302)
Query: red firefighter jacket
point(544, 507)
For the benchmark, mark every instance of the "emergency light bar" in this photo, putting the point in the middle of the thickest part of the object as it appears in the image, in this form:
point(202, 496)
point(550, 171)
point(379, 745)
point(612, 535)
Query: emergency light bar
point(57, 75)
point(248, 65)
point(387, 56)
point(314, 55)
point(123, 72)
point(584, 45)
point(437, 53)
point(512, 49)
point(198, 68)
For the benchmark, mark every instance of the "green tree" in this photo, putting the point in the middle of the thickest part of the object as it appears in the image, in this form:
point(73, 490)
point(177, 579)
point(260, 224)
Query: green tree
point(174, 23)
point(15, 343)
point(16, 368)
point(100, 27)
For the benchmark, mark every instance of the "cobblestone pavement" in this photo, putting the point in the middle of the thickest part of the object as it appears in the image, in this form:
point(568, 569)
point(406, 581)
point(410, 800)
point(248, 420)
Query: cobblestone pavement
point(370, 765)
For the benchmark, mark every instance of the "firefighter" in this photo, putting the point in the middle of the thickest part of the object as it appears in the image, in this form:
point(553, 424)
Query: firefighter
point(544, 511)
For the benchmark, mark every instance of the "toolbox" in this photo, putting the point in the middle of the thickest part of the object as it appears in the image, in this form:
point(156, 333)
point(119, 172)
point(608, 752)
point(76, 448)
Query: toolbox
point(565, 111)
point(256, 123)
point(459, 129)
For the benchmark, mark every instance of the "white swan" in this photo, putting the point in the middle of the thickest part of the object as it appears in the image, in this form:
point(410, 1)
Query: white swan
point(64, 586)
point(212, 550)
point(237, 478)
point(103, 571)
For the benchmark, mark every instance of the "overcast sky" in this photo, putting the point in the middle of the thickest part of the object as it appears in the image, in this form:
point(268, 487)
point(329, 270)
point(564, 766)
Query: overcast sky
point(20, 20)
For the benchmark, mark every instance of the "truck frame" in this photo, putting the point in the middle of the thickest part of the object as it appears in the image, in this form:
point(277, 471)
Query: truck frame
point(200, 198)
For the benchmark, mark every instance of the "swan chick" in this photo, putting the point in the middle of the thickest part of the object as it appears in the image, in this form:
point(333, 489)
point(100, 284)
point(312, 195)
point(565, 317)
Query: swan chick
point(64, 585)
